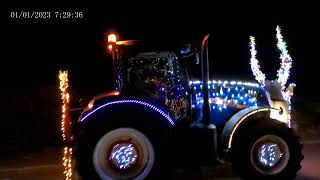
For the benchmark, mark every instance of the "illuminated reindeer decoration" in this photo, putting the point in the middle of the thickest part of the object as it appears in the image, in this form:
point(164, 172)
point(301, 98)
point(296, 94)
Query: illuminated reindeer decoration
point(279, 95)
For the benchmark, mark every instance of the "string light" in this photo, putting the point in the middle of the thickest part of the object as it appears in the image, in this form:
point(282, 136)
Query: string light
point(286, 61)
point(65, 96)
point(248, 84)
point(284, 71)
point(65, 124)
point(229, 94)
point(67, 164)
point(255, 67)
point(282, 74)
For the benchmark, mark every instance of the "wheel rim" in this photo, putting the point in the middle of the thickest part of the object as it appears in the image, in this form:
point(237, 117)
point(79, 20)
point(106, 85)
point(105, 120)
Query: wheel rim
point(123, 156)
point(123, 153)
point(269, 154)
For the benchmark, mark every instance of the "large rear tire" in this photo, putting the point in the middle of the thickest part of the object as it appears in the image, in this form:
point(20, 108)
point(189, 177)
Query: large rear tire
point(266, 149)
point(123, 153)
point(141, 155)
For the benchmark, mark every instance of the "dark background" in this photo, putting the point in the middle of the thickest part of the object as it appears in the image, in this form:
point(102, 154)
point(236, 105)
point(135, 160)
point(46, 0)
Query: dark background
point(34, 50)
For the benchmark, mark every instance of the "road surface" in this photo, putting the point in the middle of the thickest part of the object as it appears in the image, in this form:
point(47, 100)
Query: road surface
point(48, 165)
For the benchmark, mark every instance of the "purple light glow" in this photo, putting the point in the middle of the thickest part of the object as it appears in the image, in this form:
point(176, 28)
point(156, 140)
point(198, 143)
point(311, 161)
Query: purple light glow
point(135, 102)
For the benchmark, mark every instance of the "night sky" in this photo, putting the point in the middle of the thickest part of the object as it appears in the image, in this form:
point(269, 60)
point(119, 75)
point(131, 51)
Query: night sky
point(36, 49)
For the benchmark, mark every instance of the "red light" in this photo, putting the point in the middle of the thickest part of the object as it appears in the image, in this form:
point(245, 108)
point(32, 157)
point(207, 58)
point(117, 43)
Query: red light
point(110, 47)
point(112, 38)
point(204, 40)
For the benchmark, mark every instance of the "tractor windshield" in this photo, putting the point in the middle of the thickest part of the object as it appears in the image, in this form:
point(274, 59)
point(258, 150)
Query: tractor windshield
point(159, 75)
point(154, 72)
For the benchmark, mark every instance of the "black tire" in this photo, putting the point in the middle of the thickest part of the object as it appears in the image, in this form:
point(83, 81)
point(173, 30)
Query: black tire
point(247, 145)
point(87, 169)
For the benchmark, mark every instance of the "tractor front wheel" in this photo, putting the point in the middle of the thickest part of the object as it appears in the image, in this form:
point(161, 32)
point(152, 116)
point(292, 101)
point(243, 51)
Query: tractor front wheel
point(266, 150)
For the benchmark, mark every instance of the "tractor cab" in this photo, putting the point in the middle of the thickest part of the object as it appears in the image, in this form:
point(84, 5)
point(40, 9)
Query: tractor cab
point(156, 72)
point(159, 76)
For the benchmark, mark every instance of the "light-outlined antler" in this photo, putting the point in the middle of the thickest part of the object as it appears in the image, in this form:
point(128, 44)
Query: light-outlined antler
point(255, 67)
point(286, 60)
point(276, 89)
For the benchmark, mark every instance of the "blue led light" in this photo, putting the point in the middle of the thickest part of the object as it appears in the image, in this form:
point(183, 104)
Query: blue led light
point(185, 51)
point(231, 93)
point(131, 102)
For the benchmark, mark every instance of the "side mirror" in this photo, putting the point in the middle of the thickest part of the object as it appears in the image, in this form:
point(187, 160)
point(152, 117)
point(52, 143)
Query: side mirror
point(83, 103)
point(197, 58)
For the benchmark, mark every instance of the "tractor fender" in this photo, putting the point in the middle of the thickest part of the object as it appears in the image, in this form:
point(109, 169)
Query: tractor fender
point(240, 118)
point(118, 112)
point(100, 97)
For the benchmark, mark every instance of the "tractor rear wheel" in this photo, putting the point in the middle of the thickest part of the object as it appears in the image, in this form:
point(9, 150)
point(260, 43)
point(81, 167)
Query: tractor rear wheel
point(123, 153)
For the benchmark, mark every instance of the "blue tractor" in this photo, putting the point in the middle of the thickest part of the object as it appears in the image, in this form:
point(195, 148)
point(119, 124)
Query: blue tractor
point(160, 117)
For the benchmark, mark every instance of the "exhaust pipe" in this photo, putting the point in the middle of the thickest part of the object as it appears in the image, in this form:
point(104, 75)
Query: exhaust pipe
point(205, 78)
